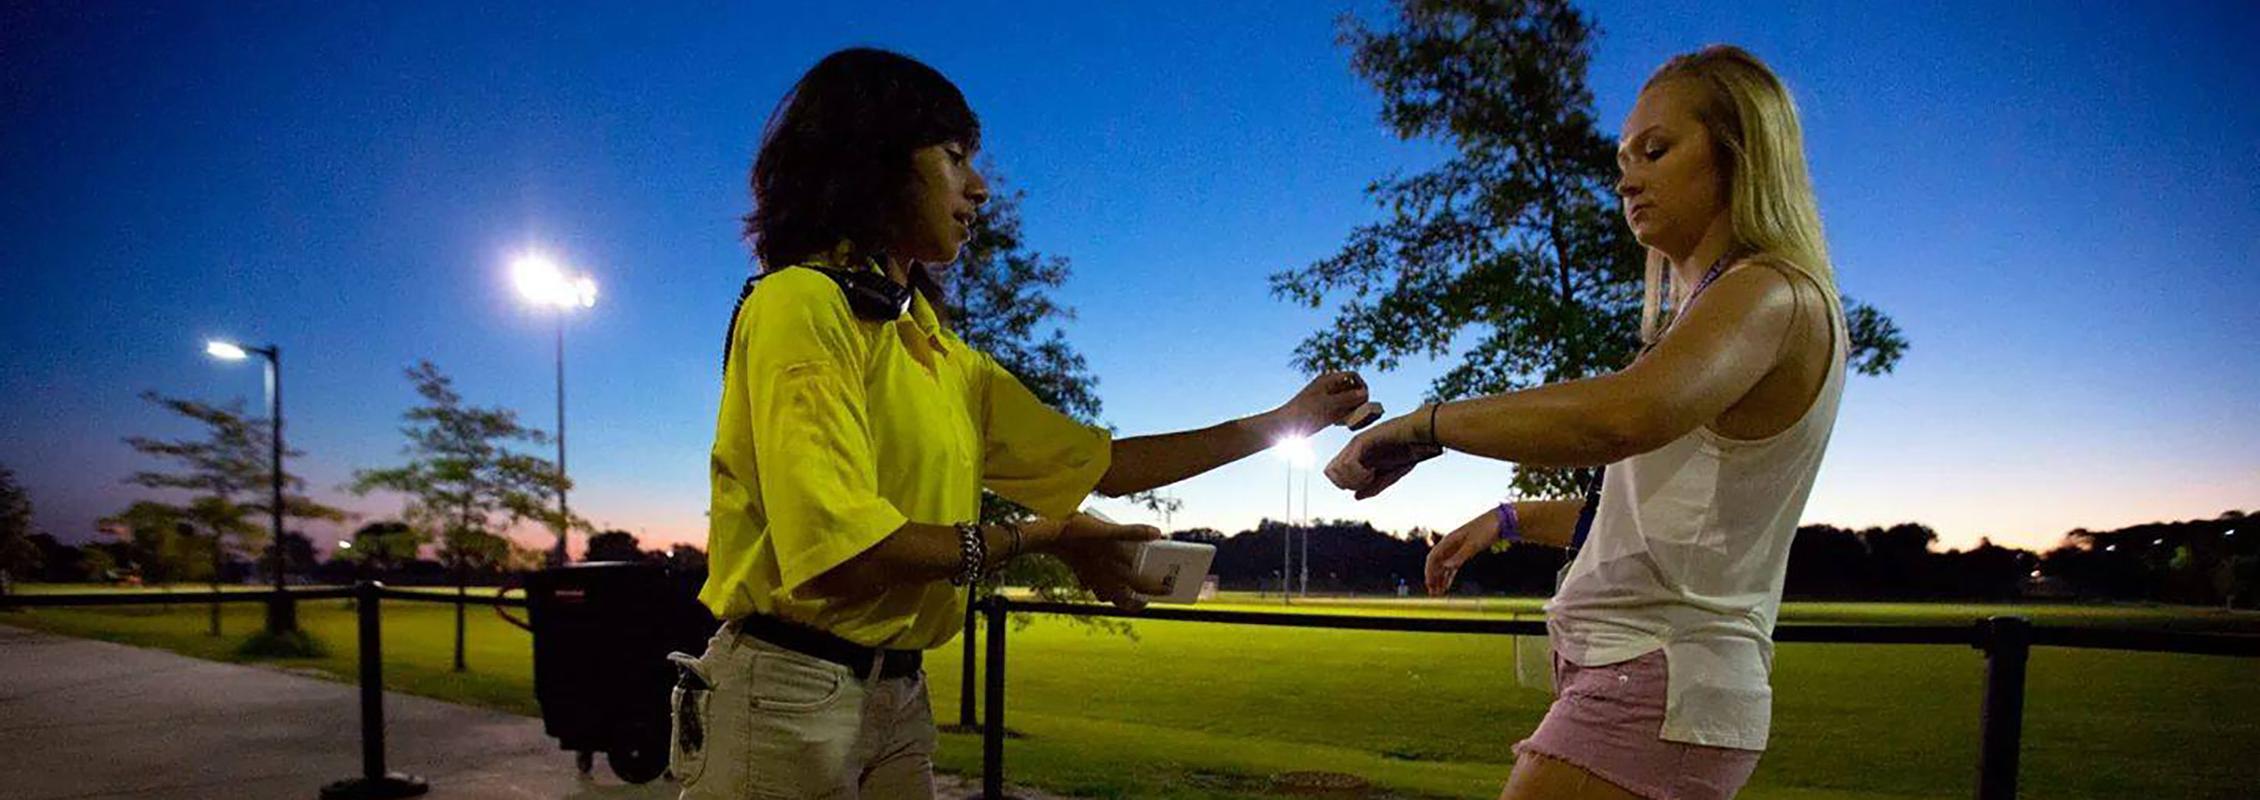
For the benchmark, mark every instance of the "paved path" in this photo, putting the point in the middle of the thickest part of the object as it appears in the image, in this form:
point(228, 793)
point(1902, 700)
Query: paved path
point(83, 719)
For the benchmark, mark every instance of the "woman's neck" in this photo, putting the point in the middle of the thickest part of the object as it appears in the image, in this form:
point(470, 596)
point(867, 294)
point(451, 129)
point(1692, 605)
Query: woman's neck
point(842, 257)
point(897, 269)
point(1688, 269)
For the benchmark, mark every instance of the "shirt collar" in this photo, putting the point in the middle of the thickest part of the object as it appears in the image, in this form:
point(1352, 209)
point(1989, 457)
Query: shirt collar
point(922, 315)
point(929, 325)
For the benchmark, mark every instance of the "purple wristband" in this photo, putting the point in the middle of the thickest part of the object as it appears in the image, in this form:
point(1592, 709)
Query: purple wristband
point(1510, 526)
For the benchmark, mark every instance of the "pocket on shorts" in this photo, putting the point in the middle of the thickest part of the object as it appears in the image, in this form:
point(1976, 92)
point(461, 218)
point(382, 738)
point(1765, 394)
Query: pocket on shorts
point(691, 720)
point(1629, 689)
point(791, 683)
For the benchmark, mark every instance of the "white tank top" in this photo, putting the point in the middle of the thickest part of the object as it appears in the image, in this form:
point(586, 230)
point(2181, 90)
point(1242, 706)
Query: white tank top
point(1687, 553)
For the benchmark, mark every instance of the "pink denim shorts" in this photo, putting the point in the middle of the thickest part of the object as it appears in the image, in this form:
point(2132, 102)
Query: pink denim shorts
point(1609, 720)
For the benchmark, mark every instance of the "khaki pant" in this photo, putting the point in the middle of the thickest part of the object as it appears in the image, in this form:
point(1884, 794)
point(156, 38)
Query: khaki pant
point(779, 725)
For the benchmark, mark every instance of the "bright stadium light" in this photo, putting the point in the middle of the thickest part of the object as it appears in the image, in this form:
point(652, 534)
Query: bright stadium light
point(541, 282)
point(1297, 451)
point(545, 284)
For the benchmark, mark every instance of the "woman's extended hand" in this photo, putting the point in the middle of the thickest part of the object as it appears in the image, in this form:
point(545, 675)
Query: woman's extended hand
point(1109, 570)
point(1326, 400)
point(1087, 529)
point(1100, 551)
point(1447, 556)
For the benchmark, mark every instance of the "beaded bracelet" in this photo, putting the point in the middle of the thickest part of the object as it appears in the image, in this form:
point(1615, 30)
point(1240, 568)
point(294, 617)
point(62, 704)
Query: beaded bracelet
point(973, 551)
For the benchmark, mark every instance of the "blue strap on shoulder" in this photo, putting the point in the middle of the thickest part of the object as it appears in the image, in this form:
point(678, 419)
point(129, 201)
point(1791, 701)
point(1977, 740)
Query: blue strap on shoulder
point(1592, 507)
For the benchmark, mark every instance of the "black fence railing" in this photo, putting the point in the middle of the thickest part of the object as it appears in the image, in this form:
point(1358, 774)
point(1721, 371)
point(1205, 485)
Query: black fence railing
point(375, 781)
point(2006, 641)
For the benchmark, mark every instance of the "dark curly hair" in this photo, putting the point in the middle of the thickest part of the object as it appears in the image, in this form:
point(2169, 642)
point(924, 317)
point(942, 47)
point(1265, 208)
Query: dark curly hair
point(835, 159)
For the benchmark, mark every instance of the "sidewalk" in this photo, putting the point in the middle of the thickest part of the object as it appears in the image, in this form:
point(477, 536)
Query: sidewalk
point(82, 719)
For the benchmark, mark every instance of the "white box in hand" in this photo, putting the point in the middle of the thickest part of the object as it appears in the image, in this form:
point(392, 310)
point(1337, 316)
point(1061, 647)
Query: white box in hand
point(1180, 567)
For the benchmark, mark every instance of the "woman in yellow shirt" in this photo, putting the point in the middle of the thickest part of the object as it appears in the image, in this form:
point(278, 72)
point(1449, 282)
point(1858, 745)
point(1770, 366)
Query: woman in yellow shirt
point(855, 435)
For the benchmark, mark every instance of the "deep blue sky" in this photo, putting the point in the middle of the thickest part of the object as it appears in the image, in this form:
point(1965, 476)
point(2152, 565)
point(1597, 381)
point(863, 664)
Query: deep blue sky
point(2055, 201)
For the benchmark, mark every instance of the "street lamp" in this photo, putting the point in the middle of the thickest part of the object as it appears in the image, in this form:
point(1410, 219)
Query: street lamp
point(281, 615)
point(541, 282)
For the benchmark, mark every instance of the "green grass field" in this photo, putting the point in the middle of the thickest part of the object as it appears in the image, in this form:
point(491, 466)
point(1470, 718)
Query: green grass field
point(1187, 710)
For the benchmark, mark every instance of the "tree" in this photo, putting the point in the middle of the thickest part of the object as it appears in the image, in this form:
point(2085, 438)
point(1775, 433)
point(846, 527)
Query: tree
point(298, 552)
point(466, 479)
point(524, 558)
point(226, 471)
point(1513, 247)
point(160, 540)
point(99, 564)
point(685, 556)
point(386, 544)
point(464, 476)
point(19, 557)
point(998, 298)
point(59, 562)
point(1209, 536)
point(1898, 557)
point(613, 546)
point(1828, 561)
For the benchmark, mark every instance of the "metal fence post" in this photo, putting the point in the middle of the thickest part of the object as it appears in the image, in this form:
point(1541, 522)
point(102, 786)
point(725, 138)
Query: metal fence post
point(965, 719)
point(992, 737)
point(375, 783)
point(2007, 642)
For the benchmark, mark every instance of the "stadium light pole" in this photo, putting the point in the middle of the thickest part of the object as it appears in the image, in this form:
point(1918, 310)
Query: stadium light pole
point(1297, 453)
point(1306, 530)
point(282, 616)
point(541, 282)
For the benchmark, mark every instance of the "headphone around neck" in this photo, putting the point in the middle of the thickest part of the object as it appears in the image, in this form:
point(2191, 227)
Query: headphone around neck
point(870, 294)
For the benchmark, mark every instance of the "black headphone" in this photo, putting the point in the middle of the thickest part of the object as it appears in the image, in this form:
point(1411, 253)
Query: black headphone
point(871, 295)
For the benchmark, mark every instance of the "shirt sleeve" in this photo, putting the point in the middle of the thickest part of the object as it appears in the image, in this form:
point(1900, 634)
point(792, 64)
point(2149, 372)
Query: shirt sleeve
point(804, 360)
point(1031, 453)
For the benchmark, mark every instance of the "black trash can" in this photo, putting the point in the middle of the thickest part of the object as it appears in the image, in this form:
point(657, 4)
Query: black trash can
point(602, 632)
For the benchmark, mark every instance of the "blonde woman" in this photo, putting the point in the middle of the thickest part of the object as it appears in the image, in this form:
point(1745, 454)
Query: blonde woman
point(1662, 627)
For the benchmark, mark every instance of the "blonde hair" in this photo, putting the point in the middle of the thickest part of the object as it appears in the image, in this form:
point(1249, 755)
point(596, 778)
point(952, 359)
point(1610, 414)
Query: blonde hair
point(1753, 124)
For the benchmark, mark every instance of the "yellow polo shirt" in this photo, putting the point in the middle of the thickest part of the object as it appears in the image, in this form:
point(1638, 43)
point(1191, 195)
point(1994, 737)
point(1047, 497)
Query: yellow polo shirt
point(835, 430)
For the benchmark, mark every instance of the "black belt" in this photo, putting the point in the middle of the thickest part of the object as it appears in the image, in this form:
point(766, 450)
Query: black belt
point(811, 642)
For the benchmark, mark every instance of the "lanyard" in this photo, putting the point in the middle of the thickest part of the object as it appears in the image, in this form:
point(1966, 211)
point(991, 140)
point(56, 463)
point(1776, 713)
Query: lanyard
point(1593, 489)
point(1717, 268)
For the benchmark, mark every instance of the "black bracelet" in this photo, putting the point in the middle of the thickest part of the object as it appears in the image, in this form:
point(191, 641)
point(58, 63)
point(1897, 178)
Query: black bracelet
point(1018, 547)
point(1432, 440)
point(973, 551)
